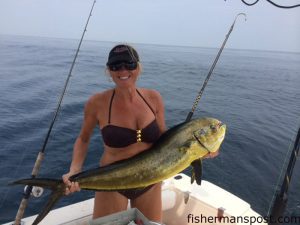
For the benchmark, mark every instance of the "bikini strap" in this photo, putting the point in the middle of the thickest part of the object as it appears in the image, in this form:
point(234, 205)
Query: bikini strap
point(110, 105)
point(145, 101)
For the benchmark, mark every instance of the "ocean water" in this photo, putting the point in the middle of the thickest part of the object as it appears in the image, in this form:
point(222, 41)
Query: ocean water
point(256, 93)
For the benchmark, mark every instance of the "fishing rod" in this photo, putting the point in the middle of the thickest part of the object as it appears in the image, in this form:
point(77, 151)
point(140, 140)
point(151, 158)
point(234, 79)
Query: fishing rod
point(273, 3)
point(280, 202)
point(28, 190)
point(189, 116)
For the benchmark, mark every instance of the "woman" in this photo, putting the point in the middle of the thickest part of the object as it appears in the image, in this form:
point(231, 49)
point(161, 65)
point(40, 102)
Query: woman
point(131, 119)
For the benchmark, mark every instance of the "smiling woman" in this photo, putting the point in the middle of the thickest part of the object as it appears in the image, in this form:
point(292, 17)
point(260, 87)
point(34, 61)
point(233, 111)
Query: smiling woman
point(123, 64)
point(131, 119)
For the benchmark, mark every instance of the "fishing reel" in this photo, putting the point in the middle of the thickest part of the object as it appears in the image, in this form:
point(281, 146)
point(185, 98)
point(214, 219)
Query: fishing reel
point(35, 191)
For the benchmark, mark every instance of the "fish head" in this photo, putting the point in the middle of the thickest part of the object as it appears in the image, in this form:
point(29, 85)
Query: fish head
point(209, 133)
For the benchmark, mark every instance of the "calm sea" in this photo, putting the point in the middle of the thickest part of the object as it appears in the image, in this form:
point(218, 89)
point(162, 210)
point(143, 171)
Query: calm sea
point(256, 93)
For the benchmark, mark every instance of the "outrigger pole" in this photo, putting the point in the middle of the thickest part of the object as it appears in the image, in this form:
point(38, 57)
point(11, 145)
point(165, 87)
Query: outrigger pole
point(40, 156)
point(189, 116)
point(280, 202)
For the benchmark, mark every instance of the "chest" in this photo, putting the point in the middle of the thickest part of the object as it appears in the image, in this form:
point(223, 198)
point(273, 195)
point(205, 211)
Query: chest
point(135, 114)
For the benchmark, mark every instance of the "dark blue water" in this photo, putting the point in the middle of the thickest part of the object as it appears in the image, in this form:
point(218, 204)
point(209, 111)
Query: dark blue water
point(255, 93)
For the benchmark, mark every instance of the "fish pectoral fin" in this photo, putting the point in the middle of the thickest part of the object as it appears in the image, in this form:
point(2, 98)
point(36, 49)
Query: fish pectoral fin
point(197, 171)
point(193, 177)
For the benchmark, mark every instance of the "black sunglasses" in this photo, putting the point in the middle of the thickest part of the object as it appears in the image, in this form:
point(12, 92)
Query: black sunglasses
point(125, 65)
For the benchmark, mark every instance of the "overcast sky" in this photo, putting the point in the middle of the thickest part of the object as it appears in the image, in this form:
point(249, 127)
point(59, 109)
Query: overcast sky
point(201, 23)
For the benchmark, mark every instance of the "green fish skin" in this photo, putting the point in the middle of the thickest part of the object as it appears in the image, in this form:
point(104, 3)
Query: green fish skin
point(175, 150)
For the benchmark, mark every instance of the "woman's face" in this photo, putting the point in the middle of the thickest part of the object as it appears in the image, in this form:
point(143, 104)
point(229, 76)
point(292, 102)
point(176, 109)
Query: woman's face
point(125, 77)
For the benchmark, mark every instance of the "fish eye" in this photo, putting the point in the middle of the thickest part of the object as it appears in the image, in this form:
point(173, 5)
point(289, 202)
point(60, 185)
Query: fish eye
point(213, 127)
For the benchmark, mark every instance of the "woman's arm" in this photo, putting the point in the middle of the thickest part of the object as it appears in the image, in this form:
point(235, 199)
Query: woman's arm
point(81, 144)
point(160, 112)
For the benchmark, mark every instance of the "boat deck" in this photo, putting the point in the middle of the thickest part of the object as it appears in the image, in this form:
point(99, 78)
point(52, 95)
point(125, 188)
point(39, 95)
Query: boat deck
point(183, 203)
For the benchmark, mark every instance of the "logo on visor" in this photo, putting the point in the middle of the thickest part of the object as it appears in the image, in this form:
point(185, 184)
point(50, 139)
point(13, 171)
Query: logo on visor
point(121, 49)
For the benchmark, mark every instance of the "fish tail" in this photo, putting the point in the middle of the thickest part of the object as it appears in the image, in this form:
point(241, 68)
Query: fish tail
point(39, 182)
point(57, 187)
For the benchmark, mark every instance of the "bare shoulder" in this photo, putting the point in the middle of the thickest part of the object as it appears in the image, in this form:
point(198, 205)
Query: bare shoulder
point(158, 105)
point(152, 94)
point(98, 100)
point(155, 98)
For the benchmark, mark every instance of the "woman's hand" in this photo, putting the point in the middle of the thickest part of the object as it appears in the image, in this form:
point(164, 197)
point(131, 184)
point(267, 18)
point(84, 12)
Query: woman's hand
point(212, 154)
point(71, 187)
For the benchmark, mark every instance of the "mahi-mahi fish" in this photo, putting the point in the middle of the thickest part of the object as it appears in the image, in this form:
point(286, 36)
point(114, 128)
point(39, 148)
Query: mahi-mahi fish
point(181, 146)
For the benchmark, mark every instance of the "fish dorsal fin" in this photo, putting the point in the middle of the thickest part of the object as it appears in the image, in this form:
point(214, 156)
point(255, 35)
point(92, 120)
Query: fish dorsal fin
point(197, 171)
